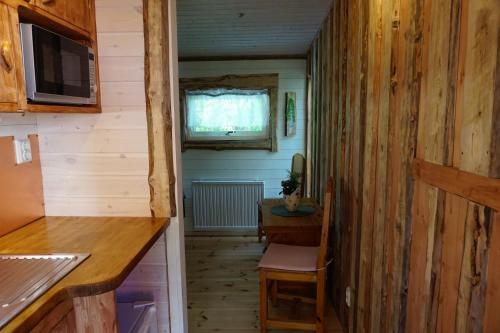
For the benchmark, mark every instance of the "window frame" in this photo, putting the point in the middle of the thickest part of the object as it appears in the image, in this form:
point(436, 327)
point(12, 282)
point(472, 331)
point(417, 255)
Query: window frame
point(252, 82)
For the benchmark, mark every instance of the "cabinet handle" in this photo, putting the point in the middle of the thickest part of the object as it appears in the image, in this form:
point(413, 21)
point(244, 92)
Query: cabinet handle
point(47, 1)
point(5, 55)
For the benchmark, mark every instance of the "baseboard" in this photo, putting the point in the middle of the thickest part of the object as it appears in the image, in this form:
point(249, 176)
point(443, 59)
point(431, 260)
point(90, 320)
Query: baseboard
point(227, 232)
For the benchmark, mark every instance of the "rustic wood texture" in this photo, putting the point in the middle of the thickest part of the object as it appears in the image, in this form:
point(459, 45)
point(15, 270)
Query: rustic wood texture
point(223, 288)
point(456, 132)
point(414, 252)
point(372, 86)
point(479, 189)
point(96, 313)
point(116, 246)
point(158, 109)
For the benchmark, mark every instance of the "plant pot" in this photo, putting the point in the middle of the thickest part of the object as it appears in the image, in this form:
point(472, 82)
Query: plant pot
point(292, 201)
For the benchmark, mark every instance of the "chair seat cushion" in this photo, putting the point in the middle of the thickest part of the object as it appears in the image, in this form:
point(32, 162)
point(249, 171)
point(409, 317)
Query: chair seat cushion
point(290, 258)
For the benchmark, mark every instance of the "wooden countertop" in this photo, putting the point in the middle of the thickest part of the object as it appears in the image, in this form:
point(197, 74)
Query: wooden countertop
point(116, 245)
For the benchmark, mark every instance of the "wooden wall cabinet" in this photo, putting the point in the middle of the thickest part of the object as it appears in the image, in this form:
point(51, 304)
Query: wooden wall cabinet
point(71, 18)
point(76, 12)
point(11, 74)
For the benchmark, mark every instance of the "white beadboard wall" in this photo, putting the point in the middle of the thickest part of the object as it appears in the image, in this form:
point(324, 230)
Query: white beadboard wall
point(97, 165)
point(17, 125)
point(248, 164)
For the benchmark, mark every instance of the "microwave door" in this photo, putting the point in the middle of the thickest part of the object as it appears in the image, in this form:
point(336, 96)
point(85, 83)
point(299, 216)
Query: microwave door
point(61, 69)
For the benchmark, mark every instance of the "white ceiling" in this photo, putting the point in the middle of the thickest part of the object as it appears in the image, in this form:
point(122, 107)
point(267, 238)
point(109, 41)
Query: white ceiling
point(233, 28)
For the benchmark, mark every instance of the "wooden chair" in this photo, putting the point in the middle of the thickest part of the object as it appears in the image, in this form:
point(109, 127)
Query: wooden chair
point(298, 264)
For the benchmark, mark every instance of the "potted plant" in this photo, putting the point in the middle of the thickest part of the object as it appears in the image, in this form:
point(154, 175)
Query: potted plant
point(291, 191)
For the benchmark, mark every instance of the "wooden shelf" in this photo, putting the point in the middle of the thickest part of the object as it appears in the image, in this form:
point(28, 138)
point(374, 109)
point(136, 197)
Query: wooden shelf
point(39, 108)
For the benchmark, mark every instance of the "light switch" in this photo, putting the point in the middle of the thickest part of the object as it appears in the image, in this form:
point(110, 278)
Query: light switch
point(23, 151)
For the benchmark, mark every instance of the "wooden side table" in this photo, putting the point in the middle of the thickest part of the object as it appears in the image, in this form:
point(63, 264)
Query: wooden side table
point(303, 231)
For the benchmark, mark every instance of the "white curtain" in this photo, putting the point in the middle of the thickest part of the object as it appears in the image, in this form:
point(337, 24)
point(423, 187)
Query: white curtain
point(227, 113)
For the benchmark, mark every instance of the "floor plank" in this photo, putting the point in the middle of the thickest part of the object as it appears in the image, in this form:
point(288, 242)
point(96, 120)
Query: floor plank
point(223, 288)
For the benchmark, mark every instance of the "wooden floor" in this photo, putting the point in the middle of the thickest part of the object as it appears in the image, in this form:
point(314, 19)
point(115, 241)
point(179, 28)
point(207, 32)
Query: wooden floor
point(223, 288)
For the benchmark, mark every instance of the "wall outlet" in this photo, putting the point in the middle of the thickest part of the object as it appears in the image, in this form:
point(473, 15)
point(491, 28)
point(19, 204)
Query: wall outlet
point(23, 151)
point(348, 296)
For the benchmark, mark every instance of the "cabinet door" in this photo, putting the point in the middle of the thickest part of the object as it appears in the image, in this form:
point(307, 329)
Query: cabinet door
point(8, 74)
point(76, 12)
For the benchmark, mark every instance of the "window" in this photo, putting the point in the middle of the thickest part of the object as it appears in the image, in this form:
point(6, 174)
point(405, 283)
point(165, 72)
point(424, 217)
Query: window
point(227, 114)
point(230, 112)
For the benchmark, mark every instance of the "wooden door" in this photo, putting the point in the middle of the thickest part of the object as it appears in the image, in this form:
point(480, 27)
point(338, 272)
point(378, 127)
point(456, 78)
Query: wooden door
point(76, 12)
point(8, 75)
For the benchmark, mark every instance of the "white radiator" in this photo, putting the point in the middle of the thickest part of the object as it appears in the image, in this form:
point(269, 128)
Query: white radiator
point(226, 204)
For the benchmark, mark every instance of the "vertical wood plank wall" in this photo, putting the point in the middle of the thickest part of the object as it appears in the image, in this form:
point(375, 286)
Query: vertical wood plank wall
point(390, 81)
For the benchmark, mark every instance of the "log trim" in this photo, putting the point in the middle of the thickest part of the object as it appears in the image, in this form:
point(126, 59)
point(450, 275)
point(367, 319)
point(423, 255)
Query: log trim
point(479, 189)
point(256, 81)
point(158, 109)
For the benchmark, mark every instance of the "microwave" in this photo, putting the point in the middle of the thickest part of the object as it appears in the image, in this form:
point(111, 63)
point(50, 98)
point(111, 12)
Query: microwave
point(57, 70)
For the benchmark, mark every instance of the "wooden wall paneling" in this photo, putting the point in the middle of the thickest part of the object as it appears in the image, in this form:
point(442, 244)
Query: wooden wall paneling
point(491, 318)
point(308, 126)
point(357, 55)
point(315, 120)
point(343, 159)
point(416, 63)
point(480, 26)
point(477, 107)
point(417, 287)
point(380, 181)
point(403, 112)
point(391, 267)
point(334, 164)
point(452, 250)
point(378, 62)
point(322, 126)
point(375, 49)
point(492, 298)
point(432, 144)
point(311, 129)
point(158, 112)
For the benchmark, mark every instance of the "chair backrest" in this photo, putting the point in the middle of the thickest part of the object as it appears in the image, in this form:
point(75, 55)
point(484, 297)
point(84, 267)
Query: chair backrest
point(299, 166)
point(325, 228)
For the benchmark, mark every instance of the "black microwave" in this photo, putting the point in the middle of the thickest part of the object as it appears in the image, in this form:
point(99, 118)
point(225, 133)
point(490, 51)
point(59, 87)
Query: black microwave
point(57, 70)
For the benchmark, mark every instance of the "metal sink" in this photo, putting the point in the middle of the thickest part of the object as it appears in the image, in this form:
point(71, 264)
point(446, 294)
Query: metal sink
point(24, 278)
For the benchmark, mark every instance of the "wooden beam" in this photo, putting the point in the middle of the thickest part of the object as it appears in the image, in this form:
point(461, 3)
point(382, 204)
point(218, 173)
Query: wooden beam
point(158, 109)
point(479, 189)
point(243, 57)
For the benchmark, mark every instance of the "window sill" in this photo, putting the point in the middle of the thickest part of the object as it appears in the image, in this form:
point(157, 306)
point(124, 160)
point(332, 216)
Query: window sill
point(230, 145)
